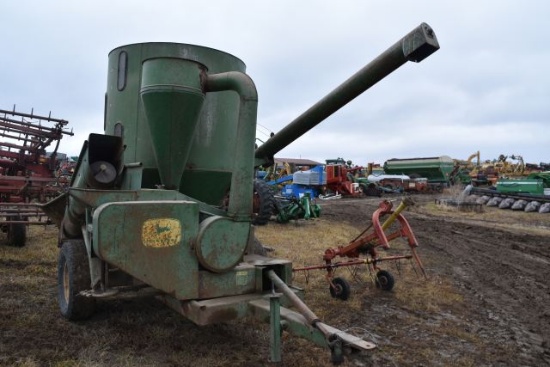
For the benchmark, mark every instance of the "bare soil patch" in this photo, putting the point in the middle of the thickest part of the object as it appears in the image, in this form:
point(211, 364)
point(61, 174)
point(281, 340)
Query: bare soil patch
point(498, 261)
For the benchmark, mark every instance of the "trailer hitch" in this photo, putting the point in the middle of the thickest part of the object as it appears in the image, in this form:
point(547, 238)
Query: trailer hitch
point(336, 349)
point(333, 338)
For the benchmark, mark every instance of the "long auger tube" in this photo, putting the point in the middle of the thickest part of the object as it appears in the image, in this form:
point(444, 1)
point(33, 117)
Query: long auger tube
point(420, 43)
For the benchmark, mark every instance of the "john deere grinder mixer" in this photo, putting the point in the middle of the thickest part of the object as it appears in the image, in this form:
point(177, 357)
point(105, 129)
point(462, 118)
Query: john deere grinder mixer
point(162, 202)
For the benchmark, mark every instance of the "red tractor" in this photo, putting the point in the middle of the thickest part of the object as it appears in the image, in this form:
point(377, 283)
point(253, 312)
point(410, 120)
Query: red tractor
point(340, 180)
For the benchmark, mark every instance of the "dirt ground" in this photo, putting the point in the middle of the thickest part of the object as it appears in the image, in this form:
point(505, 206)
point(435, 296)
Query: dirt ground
point(497, 262)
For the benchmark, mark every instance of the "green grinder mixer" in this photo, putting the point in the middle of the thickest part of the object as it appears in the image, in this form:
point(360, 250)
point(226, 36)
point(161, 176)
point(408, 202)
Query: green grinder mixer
point(161, 203)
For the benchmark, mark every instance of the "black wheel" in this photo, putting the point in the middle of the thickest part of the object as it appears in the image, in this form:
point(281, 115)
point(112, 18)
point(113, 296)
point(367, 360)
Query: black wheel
point(384, 280)
point(371, 190)
point(17, 234)
point(339, 289)
point(264, 202)
point(73, 276)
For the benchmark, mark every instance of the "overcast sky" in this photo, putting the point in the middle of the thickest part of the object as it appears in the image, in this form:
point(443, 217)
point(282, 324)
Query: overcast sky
point(486, 89)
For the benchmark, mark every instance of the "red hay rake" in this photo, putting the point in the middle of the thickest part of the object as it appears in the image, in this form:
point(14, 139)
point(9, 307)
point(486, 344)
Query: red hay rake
point(366, 244)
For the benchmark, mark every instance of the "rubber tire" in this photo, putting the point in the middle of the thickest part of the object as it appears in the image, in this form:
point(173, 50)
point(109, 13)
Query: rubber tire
point(266, 203)
point(73, 276)
point(384, 280)
point(17, 234)
point(342, 290)
point(370, 190)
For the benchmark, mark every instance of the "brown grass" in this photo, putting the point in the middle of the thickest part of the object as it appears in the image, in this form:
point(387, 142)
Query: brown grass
point(145, 333)
point(506, 219)
point(140, 332)
point(416, 305)
point(306, 242)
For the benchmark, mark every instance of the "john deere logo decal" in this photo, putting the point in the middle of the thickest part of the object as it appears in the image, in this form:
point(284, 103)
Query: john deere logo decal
point(161, 232)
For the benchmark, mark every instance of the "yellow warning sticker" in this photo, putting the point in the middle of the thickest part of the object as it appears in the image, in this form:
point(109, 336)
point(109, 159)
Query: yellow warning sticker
point(161, 232)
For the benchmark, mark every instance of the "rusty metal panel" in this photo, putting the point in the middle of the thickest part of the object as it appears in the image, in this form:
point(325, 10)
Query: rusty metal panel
point(151, 241)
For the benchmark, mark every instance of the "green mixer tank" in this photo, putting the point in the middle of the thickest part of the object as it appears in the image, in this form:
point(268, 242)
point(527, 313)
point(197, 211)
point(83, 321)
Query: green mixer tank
point(139, 76)
point(154, 189)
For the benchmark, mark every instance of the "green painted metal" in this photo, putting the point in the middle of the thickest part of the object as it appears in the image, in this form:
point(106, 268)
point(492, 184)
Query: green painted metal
point(435, 169)
point(212, 147)
point(543, 176)
point(172, 98)
point(165, 196)
point(294, 208)
point(242, 157)
point(219, 245)
point(239, 280)
point(275, 327)
point(520, 185)
point(151, 241)
point(94, 198)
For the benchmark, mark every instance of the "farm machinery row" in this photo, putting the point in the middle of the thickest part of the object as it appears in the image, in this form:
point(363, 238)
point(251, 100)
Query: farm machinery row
point(28, 174)
point(509, 183)
point(336, 178)
point(339, 178)
point(529, 194)
point(161, 201)
point(293, 196)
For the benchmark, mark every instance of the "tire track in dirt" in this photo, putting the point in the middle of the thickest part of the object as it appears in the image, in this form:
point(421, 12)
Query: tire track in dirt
point(502, 272)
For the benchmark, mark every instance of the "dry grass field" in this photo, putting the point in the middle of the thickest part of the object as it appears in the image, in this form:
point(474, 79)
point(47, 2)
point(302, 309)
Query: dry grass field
point(484, 303)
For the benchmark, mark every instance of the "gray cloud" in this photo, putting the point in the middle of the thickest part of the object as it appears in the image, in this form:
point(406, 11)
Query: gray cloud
point(486, 89)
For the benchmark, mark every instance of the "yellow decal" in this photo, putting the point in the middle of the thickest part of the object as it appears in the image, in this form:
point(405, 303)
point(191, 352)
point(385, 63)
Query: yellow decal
point(161, 232)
